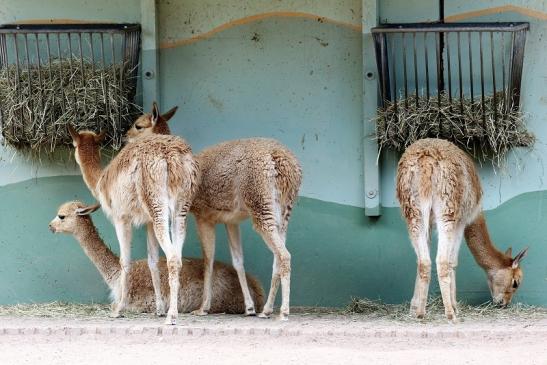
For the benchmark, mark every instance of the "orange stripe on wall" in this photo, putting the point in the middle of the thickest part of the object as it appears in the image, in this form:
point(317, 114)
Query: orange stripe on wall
point(497, 10)
point(254, 18)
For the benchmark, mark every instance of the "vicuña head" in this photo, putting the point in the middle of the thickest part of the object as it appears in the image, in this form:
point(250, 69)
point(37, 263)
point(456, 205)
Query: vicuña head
point(71, 216)
point(151, 123)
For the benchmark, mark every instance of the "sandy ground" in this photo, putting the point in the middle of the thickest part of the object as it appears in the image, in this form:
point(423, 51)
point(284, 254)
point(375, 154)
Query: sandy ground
point(307, 338)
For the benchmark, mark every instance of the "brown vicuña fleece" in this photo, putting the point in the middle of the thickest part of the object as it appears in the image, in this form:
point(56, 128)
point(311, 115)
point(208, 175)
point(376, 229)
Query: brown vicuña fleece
point(255, 178)
point(227, 294)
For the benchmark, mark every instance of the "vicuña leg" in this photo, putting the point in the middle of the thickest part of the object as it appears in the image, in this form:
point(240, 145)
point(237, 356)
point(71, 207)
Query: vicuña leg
point(123, 232)
point(447, 242)
point(174, 263)
point(454, 264)
point(153, 258)
point(236, 250)
point(206, 233)
point(281, 272)
point(418, 230)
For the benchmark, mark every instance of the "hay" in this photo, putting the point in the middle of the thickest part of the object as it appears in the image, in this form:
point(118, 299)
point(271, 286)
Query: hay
point(37, 109)
point(63, 310)
point(486, 139)
point(435, 310)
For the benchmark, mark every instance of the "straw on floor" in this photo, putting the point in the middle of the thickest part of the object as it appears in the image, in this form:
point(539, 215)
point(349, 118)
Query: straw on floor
point(37, 106)
point(435, 310)
point(487, 136)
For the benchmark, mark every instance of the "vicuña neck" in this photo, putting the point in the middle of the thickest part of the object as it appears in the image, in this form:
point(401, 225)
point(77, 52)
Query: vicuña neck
point(94, 247)
point(478, 240)
point(90, 164)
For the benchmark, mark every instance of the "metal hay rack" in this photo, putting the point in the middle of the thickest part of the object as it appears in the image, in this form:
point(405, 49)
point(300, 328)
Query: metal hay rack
point(55, 74)
point(459, 81)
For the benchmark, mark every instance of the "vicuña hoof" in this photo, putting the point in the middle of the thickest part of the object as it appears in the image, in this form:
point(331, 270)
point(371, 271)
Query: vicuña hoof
point(170, 320)
point(283, 317)
point(264, 315)
point(200, 312)
point(452, 318)
point(115, 314)
point(250, 312)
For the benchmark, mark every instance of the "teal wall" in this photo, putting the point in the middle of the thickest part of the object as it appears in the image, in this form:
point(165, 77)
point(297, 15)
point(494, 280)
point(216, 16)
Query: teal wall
point(290, 70)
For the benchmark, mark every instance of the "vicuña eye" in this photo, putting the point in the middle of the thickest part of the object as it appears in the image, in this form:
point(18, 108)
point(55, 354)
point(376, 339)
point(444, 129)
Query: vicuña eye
point(61, 217)
point(138, 127)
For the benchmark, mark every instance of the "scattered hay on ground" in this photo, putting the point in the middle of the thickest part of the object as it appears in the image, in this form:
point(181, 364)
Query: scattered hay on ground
point(435, 310)
point(37, 106)
point(62, 310)
point(488, 136)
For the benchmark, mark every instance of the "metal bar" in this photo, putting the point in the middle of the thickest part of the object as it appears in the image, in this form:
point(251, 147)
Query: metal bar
point(415, 69)
point(17, 82)
point(493, 76)
point(50, 74)
point(92, 52)
point(82, 70)
point(405, 79)
point(516, 68)
point(113, 65)
point(426, 67)
point(483, 107)
point(470, 67)
point(451, 27)
point(380, 44)
point(29, 84)
point(122, 76)
point(440, 76)
point(440, 51)
point(460, 75)
point(68, 28)
point(3, 51)
point(509, 76)
point(63, 105)
point(503, 55)
point(449, 72)
point(104, 85)
point(70, 66)
point(40, 92)
point(394, 69)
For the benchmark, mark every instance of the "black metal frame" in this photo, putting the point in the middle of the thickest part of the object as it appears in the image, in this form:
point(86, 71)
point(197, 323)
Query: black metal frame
point(388, 72)
point(130, 36)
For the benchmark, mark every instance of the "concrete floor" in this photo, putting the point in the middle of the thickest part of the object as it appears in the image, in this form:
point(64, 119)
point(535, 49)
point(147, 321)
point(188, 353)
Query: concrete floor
point(318, 338)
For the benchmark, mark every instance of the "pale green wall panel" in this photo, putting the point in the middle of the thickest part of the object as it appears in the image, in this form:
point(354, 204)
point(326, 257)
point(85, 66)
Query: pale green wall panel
point(296, 80)
point(336, 252)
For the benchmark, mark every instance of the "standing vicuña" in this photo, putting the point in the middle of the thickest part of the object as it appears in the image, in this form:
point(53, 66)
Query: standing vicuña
point(74, 218)
point(438, 182)
point(257, 178)
point(152, 181)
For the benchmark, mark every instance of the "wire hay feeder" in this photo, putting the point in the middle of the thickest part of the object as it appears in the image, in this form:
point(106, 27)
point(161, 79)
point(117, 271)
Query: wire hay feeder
point(55, 74)
point(456, 81)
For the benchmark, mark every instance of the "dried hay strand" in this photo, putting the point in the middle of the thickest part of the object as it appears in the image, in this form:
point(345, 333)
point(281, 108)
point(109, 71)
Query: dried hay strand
point(37, 106)
point(486, 137)
point(435, 310)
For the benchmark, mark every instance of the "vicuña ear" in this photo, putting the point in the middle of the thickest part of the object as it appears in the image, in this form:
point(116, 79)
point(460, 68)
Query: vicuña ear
point(522, 254)
point(74, 134)
point(88, 210)
point(100, 137)
point(509, 252)
point(155, 113)
point(168, 115)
